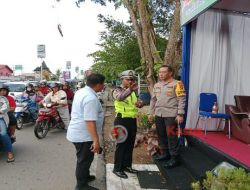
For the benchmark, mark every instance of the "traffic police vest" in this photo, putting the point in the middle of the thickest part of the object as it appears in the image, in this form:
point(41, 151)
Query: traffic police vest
point(127, 107)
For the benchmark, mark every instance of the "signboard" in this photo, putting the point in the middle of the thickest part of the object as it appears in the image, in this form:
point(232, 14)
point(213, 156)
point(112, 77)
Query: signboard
point(77, 69)
point(18, 67)
point(66, 75)
point(41, 51)
point(68, 65)
point(192, 8)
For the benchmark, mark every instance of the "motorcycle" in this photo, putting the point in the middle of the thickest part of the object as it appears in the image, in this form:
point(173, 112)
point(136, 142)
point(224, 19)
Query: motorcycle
point(48, 118)
point(25, 112)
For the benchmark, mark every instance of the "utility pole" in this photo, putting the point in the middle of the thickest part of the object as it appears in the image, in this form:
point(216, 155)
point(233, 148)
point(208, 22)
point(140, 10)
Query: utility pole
point(41, 69)
point(41, 54)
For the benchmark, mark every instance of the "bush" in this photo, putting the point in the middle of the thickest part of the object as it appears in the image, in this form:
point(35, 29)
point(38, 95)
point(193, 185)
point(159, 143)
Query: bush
point(147, 135)
point(143, 121)
point(233, 179)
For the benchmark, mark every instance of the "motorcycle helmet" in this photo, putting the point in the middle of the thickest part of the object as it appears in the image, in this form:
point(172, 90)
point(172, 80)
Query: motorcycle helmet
point(43, 82)
point(80, 85)
point(4, 86)
point(29, 87)
point(53, 85)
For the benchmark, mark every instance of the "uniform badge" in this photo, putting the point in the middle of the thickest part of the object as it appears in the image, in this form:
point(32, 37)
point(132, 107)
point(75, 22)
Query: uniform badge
point(157, 92)
point(170, 91)
point(118, 134)
point(180, 90)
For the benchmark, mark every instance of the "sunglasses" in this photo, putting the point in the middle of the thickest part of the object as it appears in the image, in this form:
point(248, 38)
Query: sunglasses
point(129, 79)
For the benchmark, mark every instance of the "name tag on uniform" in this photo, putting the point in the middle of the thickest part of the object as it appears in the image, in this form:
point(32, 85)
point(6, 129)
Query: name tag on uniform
point(157, 92)
point(170, 91)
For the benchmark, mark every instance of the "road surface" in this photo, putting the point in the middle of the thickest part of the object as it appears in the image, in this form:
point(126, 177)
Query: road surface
point(46, 164)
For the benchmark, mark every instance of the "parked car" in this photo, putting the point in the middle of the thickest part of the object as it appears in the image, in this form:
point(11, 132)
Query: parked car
point(32, 82)
point(16, 88)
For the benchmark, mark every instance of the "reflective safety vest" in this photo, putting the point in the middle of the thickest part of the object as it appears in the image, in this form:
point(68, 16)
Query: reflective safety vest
point(127, 107)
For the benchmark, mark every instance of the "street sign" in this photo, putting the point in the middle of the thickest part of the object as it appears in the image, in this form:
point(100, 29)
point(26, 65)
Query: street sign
point(77, 69)
point(66, 75)
point(68, 65)
point(41, 51)
point(18, 67)
point(82, 73)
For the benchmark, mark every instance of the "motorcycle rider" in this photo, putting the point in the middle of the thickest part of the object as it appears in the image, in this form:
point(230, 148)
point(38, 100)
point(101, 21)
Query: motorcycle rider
point(70, 94)
point(4, 121)
point(38, 93)
point(44, 87)
point(12, 104)
point(30, 94)
point(59, 98)
point(80, 85)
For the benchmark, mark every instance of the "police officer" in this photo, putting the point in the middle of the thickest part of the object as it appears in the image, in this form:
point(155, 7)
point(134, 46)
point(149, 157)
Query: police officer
point(126, 105)
point(167, 105)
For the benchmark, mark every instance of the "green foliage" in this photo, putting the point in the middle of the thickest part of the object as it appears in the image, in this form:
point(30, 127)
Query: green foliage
point(233, 179)
point(161, 13)
point(56, 77)
point(162, 16)
point(196, 185)
point(119, 49)
point(143, 121)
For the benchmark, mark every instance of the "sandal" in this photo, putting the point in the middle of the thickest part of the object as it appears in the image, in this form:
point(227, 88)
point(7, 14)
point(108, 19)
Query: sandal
point(10, 158)
point(13, 138)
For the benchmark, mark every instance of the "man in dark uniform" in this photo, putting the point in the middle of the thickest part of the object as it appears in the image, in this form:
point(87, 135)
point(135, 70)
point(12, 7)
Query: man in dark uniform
point(167, 105)
point(126, 105)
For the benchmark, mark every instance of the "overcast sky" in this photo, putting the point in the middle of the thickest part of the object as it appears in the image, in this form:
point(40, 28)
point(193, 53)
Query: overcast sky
point(26, 23)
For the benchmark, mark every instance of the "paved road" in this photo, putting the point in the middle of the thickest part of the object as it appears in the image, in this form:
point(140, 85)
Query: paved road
point(46, 164)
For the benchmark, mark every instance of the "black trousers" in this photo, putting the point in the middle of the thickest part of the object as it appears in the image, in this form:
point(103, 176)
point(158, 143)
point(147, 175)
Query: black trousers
point(166, 129)
point(124, 151)
point(84, 160)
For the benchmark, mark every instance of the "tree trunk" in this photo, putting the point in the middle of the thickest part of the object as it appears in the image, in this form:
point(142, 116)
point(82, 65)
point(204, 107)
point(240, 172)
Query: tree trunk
point(169, 58)
point(147, 42)
point(132, 9)
point(146, 38)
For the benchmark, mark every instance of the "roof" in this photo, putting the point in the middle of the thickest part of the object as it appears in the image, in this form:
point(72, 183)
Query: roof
point(6, 66)
point(242, 6)
point(44, 67)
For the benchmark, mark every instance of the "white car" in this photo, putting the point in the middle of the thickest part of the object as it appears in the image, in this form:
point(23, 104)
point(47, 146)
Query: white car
point(16, 88)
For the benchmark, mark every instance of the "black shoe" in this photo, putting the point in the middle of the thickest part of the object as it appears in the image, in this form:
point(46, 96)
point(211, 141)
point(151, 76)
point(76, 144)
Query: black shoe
point(85, 187)
point(173, 162)
point(91, 178)
point(130, 170)
point(121, 174)
point(163, 157)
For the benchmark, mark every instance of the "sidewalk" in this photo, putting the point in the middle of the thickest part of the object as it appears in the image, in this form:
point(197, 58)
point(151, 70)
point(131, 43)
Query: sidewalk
point(132, 183)
point(103, 172)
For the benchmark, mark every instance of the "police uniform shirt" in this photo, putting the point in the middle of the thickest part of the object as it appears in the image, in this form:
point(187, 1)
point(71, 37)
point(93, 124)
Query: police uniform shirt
point(168, 99)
